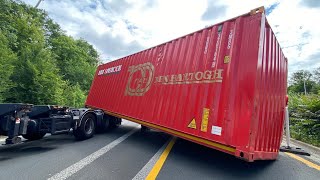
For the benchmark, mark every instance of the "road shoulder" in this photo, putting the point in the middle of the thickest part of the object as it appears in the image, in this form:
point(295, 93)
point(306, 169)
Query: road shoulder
point(314, 151)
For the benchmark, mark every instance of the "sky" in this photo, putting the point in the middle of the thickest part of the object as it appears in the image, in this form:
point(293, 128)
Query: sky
point(117, 28)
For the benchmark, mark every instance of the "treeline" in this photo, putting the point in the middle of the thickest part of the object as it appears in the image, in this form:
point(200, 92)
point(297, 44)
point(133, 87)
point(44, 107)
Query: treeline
point(39, 63)
point(304, 106)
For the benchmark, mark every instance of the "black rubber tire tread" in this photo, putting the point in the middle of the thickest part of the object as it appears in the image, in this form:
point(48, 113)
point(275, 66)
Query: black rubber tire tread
point(115, 123)
point(105, 124)
point(80, 133)
point(34, 136)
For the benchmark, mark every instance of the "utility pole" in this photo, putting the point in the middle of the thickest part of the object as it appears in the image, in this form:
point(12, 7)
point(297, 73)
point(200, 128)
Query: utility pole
point(38, 3)
point(305, 89)
point(304, 83)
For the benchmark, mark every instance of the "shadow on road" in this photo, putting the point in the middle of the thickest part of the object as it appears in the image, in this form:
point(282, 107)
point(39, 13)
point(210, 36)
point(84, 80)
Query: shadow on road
point(196, 161)
point(28, 148)
point(48, 143)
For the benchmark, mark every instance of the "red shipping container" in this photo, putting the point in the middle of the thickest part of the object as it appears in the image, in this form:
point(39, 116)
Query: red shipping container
point(223, 87)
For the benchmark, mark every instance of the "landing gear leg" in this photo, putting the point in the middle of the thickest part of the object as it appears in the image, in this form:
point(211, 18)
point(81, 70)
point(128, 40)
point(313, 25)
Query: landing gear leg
point(144, 129)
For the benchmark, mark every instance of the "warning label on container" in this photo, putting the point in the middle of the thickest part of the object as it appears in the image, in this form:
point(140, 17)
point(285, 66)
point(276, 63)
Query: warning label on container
point(205, 118)
point(192, 124)
point(226, 59)
point(216, 130)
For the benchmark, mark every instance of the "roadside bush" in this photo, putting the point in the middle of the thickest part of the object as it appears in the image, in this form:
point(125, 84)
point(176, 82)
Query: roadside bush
point(304, 112)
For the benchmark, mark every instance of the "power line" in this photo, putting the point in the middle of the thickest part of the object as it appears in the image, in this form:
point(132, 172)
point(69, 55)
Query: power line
point(38, 3)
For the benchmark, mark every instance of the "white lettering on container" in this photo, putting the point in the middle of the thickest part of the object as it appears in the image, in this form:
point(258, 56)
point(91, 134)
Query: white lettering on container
point(230, 39)
point(110, 70)
point(216, 51)
point(207, 44)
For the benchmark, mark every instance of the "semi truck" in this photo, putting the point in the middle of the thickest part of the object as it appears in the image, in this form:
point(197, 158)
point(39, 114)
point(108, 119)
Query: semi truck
point(223, 87)
point(32, 122)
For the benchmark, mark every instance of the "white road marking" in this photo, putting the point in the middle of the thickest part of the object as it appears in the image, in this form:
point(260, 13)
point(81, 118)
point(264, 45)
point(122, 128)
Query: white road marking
point(143, 173)
point(3, 139)
point(69, 171)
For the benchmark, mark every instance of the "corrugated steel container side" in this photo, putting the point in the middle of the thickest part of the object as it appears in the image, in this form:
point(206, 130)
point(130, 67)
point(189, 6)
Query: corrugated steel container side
point(270, 96)
point(223, 86)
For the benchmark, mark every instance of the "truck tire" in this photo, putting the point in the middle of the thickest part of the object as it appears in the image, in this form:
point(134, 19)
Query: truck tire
point(34, 135)
point(87, 128)
point(115, 123)
point(33, 132)
point(104, 125)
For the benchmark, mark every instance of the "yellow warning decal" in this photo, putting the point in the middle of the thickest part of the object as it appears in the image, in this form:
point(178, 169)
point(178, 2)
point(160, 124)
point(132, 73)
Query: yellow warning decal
point(192, 124)
point(205, 119)
point(226, 59)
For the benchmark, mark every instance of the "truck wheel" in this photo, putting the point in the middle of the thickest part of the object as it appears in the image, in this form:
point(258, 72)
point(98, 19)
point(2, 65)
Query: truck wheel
point(104, 125)
point(116, 122)
point(33, 131)
point(87, 128)
point(34, 136)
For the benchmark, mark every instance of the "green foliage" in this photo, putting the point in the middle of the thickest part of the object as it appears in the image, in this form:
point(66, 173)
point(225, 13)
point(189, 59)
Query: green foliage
point(304, 108)
point(37, 79)
point(304, 111)
point(39, 64)
point(316, 76)
point(304, 79)
point(7, 58)
point(75, 97)
point(77, 60)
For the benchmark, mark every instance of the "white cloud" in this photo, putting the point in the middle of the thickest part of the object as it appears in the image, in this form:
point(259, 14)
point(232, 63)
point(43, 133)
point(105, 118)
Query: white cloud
point(120, 27)
point(297, 33)
point(167, 20)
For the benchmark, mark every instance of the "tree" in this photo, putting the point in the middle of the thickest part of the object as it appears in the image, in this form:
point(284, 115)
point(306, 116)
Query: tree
point(40, 64)
point(77, 60)
point(35, 74)
point(302, 81)
point(316, 75)
point(7, 58)
point(75, 97)
point(305, 109)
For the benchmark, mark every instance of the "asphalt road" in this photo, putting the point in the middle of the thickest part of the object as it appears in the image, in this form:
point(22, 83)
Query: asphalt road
point(125, 153)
